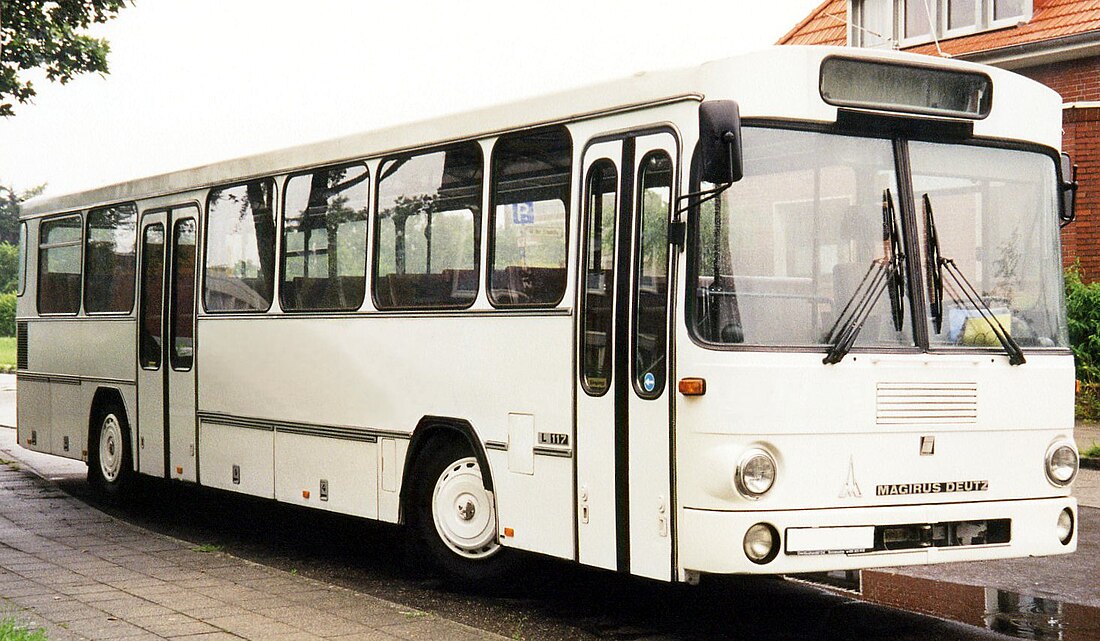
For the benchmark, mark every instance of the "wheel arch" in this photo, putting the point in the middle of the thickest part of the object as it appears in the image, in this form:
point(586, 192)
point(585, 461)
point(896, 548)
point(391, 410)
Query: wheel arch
point(104, 397)
point(430, 429)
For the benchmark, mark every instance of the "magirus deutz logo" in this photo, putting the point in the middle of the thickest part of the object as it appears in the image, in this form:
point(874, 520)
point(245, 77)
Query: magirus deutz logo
point(935, 487)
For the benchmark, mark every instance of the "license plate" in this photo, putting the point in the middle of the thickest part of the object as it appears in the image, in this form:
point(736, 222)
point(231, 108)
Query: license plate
point(830, 540)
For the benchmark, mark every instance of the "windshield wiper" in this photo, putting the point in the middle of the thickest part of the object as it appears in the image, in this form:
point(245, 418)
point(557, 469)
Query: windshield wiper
point(884, 274)
point(937, 265)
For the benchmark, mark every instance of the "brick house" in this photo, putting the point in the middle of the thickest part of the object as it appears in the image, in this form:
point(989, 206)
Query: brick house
point(1056, 42)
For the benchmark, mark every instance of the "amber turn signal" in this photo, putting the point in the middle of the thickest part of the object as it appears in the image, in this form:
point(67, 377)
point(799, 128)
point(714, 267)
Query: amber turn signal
point(693, 386)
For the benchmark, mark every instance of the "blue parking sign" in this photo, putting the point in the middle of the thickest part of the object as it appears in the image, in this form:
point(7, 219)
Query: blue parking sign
point(523, 213)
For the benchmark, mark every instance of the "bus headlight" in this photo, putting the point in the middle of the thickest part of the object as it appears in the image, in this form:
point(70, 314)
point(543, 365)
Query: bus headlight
point(761, 543)
point(1064, 529)
point(1061, 464)
point(755, 473)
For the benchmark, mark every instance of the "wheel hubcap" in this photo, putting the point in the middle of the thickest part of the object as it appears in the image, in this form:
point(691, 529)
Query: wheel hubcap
point(463, 511)
point(110, 448)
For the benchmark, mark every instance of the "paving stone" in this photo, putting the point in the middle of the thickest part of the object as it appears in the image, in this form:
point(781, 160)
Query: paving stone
point(84, 576)
point(212, 636)
point(172, 625)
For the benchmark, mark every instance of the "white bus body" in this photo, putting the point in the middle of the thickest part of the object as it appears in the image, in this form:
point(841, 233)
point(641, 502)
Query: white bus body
point(920, 448)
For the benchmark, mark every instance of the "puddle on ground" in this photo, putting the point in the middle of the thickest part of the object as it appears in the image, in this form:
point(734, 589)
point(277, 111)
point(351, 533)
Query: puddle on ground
point(1022, 616)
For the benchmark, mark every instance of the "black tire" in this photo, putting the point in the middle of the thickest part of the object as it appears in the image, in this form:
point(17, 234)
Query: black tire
point(453, 518)
point(110, 463)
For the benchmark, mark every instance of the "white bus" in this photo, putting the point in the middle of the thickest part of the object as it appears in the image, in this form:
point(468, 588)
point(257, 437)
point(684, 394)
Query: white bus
point(794, 311)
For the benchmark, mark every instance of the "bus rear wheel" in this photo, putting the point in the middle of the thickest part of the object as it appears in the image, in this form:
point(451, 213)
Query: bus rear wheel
point(454, 517)
point(110, 469)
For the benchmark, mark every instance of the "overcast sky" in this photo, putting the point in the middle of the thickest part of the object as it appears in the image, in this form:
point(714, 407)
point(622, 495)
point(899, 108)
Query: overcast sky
point(197, 81)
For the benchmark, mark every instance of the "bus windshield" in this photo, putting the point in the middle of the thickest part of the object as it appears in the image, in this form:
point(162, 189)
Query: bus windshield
point(994, 213)
point(785, 254)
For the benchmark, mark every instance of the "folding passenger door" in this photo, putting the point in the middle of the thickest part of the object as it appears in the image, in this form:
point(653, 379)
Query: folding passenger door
point(166, 330)
point(623, 445)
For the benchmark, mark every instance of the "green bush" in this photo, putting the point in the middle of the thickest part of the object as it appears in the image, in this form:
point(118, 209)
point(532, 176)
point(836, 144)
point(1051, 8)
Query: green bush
point(7, 314)
point(1083, 315)
point(1083, 311)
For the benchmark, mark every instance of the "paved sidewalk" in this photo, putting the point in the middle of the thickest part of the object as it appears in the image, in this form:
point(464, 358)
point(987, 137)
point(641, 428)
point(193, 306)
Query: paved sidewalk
point(80, 574)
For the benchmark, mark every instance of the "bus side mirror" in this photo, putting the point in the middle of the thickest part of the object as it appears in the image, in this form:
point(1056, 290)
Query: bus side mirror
point(1069, 190)
point(720, 141)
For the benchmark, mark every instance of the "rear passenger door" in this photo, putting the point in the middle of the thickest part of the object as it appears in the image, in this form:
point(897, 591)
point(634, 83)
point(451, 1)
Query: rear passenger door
point(166, 330)
point(624, 477)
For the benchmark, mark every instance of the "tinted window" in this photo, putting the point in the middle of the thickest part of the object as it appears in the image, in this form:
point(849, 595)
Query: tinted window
point(183, 294)
point(530, 192)
point(428, 229)
point(599, 277)
point(152, 295)
point(240, 248)
point(59, 266)
point(325, 240)
point(110, 258)
point(651, 277)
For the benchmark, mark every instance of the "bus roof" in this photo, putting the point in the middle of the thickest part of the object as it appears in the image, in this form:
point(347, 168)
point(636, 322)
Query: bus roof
point(779, 82)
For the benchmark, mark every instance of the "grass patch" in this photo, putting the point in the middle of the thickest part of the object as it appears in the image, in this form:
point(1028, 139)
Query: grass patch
point(1093, 451)
point(12, 631)
point(7, 352)
point(206, 547)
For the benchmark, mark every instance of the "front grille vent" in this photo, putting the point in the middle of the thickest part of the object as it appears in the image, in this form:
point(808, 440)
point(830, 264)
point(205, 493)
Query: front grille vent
point(926, 403)
point(21, 345)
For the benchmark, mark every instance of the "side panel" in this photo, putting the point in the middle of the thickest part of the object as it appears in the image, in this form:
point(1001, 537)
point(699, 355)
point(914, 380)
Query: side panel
point(248, 450)
point(67, 361)
point(382, 374)
point(327, 473)
point(33, 413)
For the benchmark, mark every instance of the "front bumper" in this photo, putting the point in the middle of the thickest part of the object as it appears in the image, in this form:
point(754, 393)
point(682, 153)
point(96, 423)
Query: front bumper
point(711, 541)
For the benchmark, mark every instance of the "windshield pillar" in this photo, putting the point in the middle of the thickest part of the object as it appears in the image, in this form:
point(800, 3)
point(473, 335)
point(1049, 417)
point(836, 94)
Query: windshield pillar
point(918, 299)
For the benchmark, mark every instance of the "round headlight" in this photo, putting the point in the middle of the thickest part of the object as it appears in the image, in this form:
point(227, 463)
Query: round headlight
point(1064, 529)
point(755, 473)
point(1061, 464)
point(761, 543)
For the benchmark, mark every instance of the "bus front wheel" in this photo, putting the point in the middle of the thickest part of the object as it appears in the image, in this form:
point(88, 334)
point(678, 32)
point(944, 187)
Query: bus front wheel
point(110, 470)
point(454, 517)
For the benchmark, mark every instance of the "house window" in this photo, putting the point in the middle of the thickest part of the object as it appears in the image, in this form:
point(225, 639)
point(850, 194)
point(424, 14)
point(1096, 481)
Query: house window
point(907, 23)
point(919, 18)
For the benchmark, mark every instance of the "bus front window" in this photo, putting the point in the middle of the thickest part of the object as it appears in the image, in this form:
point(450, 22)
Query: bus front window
point(781, 254)
point(995, 215)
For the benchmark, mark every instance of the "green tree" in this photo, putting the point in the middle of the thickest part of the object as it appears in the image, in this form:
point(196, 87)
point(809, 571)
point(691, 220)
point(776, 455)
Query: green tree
point(47, 35)
point(7, 314)
point(9, 267)
point(10, 202)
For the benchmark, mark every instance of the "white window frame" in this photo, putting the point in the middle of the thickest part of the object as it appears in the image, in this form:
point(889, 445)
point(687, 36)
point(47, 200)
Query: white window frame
point(1029, 10)
point(939, 20)
point(982, 8)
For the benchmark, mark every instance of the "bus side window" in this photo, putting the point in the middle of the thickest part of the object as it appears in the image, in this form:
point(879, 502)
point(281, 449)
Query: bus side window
point(152, 296)
point(59, 265)
point(240, 248)
point(109, 259)
point(182, 329)
point(530, 218)
point(427, 231)
point(651, 279)
point(599, 277)
point(325, 240)
point(22, 258)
